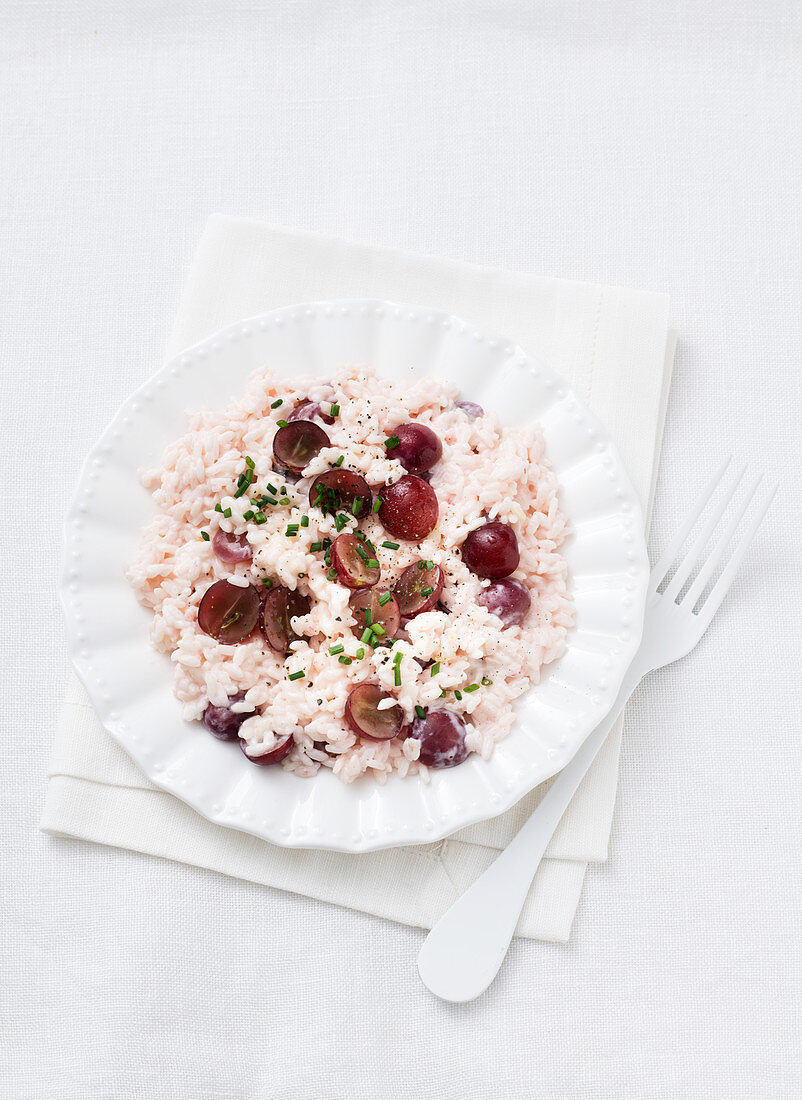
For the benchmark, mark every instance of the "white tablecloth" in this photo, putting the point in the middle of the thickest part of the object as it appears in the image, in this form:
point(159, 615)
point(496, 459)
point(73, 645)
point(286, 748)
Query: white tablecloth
point(650, 145)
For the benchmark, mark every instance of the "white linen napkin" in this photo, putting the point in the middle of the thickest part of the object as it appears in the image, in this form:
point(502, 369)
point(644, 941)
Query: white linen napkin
point(613, 346)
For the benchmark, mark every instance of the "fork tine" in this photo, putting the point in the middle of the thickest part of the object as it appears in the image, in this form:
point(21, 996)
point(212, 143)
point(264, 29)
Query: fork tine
point(721, 587)
point(686, 566)
point(674, 547)
point(716, 556)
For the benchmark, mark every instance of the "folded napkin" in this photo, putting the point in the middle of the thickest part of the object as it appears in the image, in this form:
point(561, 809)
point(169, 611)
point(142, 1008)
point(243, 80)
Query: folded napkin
point(613, 346)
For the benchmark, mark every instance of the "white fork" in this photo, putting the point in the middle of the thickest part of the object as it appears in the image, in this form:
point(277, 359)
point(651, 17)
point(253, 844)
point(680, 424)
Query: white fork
point(463, 952)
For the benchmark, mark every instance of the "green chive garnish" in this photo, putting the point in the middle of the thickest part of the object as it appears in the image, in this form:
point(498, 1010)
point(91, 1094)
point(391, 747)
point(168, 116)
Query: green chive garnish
point(271, 489)
point(377, 503)
point(316, 546)
point(335, 649)
point(332, 574)
point(340, 460)
point(458, 694)
point(435, 668)
point(267, 582)
point(291, 530)
point(277, 402)
point(334, 410)
point(385, 599)
point(284, 500)
point(362, 552)
point(392, 442)
point(248, 515)
point(487, 683)
point(429, 564)
point(472, 687)
point(205, 536)
point(296, 675)
point(356, 507)
point(268, 500)
point(367, 636)
point(249, 462)
point(360, 653)
point(397, 677)
point(368, 617)
point(379, 630)
point(282, 423)
point(218, 507)
point(391, 545)
point(227, 513)
point(260, 517)
point(426, 591)
point(340, 521)
point(345, 660)
point(372, 563)
point(304, 521)
point(421, 713)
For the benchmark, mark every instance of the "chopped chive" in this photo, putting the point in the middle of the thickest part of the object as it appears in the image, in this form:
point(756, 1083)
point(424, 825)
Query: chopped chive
point(326, 543)
point(340, 521)
point(335, 649)
point(291, 530)
point(367, 636)
point(372, 563)
point(284, 500)
point(249, 462)
point(205, 536)
point(435, 668)
point(385, 599)
point(218, 507)
point(304, 521)
point(486, 683)
point(421, 565)
point(346, 660)
point(429, 564)
point(472, 687)
point(399, 656)
point(392, 442)
point(260, 517)
point(316, 546)
point(282, 423)
point(277, 402)
point(301, 576)
point(271, 489)
point(356, 507)
point(426, 591)
point(296, 675)
point(379, 630)
point(360, 653)
point(377, 503)
point(362, 552)
point(334, 410)
point(268, 500)
point(340, 460)
point(267, 582)
point(458, 694)
point(421, 713)
point(332, 574)
point(227, 513)
point(248, 515)
point(391, 545)
point(368, 617)
point(442, 694)
point(283, 490)
point(397, 676)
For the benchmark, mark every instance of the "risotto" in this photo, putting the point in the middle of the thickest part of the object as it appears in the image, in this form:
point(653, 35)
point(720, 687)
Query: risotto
point(354, 573)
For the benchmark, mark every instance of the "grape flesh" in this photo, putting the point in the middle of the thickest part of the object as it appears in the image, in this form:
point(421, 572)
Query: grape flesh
point(228, 612)
point(387, 614)
point(297, 443)
point(418, 589)
point(409, 508)
point(341, 491)
point(350, 558)
point(222, 722)
point(442, 737)
point(231, 548)
point(491, 551)
point(507, 598)
point(471, 409)
point(364, 717)
point(418, 447)
point(278, 609)
point(275, 756)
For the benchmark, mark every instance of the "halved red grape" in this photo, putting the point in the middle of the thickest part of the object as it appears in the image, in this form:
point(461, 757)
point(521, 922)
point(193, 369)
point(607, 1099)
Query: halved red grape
point(418, 448)
point(228, 612)
point(308, 410)
point(350, 558)
point(442, 737)
point(367, 600)
point(364, 717)
point(507, 598)
point(339, 491)
point(470, 408)
point(229, 547)
point(279, 607)
point(491, 551)
point(418, 588)
point(297, 443)
point(275, 756)
point(222, 722)
point(409, 508)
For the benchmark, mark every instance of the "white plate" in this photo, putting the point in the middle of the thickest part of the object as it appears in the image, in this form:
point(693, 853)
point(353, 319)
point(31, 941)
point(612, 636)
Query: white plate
point(131, 686)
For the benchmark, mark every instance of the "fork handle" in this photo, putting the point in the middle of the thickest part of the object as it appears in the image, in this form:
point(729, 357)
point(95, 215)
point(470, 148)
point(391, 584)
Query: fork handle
point(463, 952)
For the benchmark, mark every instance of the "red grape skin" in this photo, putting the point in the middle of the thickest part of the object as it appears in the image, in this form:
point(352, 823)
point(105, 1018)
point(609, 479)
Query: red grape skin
point(278, 608)
point(442, 737)
point(275, 756)
point(309, 410)
point(230, 547)
point(364, 717)
point(367, 599)
point(491, 551)
point(471, 409)
point(352, 569)
point(228, 612)
point(508, 599)
point(224, 723)
point(297, 443)
point(338, 490)
point(418, 449)
point(408, 589)
point(409, 508)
